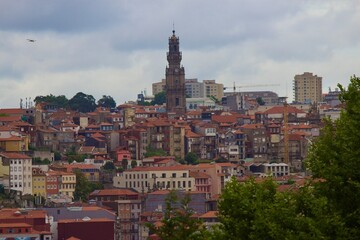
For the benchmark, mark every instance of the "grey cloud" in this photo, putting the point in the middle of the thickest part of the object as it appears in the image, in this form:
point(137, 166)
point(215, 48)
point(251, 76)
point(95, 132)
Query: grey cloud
point(60, 15)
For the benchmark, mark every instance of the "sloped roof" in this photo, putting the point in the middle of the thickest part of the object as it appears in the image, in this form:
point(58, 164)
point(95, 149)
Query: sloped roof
point(281, 110)
point(113, 192)
point(209, 214)
point(11, 155)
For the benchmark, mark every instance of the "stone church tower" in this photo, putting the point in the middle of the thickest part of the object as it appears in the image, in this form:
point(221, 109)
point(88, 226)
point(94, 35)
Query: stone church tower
point(175, 79)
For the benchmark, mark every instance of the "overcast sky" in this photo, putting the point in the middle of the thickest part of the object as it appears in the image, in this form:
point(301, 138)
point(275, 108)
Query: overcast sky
point(118, 47)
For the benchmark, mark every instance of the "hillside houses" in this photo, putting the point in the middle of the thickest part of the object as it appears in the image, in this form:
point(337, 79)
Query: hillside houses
point(128, 133)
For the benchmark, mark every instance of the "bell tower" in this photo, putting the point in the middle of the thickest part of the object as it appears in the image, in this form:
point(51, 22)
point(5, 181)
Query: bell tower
point(175, 79)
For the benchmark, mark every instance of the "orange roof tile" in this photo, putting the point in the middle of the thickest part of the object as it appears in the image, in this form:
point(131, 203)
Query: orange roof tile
point(11, 111)
point(11, 155)
point(113, 192)
point(12, 138)
point(10, 119)
point(209, 214)
point(281, 109)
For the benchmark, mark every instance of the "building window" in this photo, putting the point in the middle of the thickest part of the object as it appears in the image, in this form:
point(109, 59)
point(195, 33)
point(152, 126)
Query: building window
point(177, 102)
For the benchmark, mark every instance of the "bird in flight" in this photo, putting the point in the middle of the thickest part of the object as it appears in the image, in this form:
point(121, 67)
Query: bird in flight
point(31, 40)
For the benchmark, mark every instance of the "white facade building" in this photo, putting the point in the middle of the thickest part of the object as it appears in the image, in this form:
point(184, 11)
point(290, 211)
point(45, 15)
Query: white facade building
point(144, 179)
point(20, 172)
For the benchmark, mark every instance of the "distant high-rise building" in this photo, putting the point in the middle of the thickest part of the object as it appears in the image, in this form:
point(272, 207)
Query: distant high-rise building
point(175, 79)
point(158, 87)
point(307, 88)
point(206, 88)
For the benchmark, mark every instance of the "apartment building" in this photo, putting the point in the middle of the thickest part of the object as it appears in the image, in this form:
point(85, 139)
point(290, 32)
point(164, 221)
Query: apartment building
point(145, 179)
point(307, 88)
point(60, 183)
point(20, 171)
point(194, 88)
point(38, 183)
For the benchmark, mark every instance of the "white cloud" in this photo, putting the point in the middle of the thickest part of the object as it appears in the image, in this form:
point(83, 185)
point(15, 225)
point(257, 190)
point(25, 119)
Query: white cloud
point(118, 48)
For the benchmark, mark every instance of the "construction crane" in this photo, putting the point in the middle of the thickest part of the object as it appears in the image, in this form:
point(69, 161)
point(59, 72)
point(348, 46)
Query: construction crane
point(249, 86)
point(286, 133)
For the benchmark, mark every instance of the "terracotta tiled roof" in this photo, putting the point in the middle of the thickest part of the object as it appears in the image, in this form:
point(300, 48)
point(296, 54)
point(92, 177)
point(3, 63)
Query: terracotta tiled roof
point(5, 128)
point(11, 213)
point(252, 126)
point(97, 135)
point(10, 119)
point(281, 110)
point(14, 155)
point(113, 192)
point(224, 119)
point(73, 238)
point(209, 214)
point(11, 111)
point(70, 167)
point(12, 138)
point(195, 174)
point(191, 134)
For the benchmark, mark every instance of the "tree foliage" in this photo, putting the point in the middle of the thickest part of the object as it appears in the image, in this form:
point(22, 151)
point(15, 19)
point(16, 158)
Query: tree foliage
point(191, 158)
point(61, 101)
point(260, 101)
point(106, 101)
point(335, 159)
point(327, 208)
point(109, 166)
point(84, 187)
point(151, 152)
point(124, 163)
point(133, 163)
point(39, 161)
point(82, 102)
point(159, 99)
point(178, 222)
point(254, 210)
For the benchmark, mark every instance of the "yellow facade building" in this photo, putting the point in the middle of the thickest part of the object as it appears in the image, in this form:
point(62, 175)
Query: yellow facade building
point(38, 183)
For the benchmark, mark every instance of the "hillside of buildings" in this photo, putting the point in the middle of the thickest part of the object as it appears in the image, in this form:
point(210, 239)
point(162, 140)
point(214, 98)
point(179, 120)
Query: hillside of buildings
point(128, 158)
point(193, 162)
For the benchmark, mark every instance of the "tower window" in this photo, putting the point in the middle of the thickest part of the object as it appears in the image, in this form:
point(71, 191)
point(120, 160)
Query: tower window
point(177, 102)
point(175, 48)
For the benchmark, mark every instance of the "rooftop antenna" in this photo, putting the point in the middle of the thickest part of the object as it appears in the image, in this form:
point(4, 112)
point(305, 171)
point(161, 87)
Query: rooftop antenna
point(173, 28)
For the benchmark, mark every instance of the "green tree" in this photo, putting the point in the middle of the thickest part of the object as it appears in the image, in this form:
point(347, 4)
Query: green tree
point(82, 187)
point(335, 159)
point(106, 101)
point(109, 166)
point(57, 156)
point(61, 101)
point(260, 101)
point(124, 163)
point(133, 163)
point(82, 102)
point(221, 160)
point(178, 222)
point(191, 158)
point(151, 152)
point(254, 210)
point(159, 99)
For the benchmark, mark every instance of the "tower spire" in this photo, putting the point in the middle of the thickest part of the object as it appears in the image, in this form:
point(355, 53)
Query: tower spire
point(175, 79)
